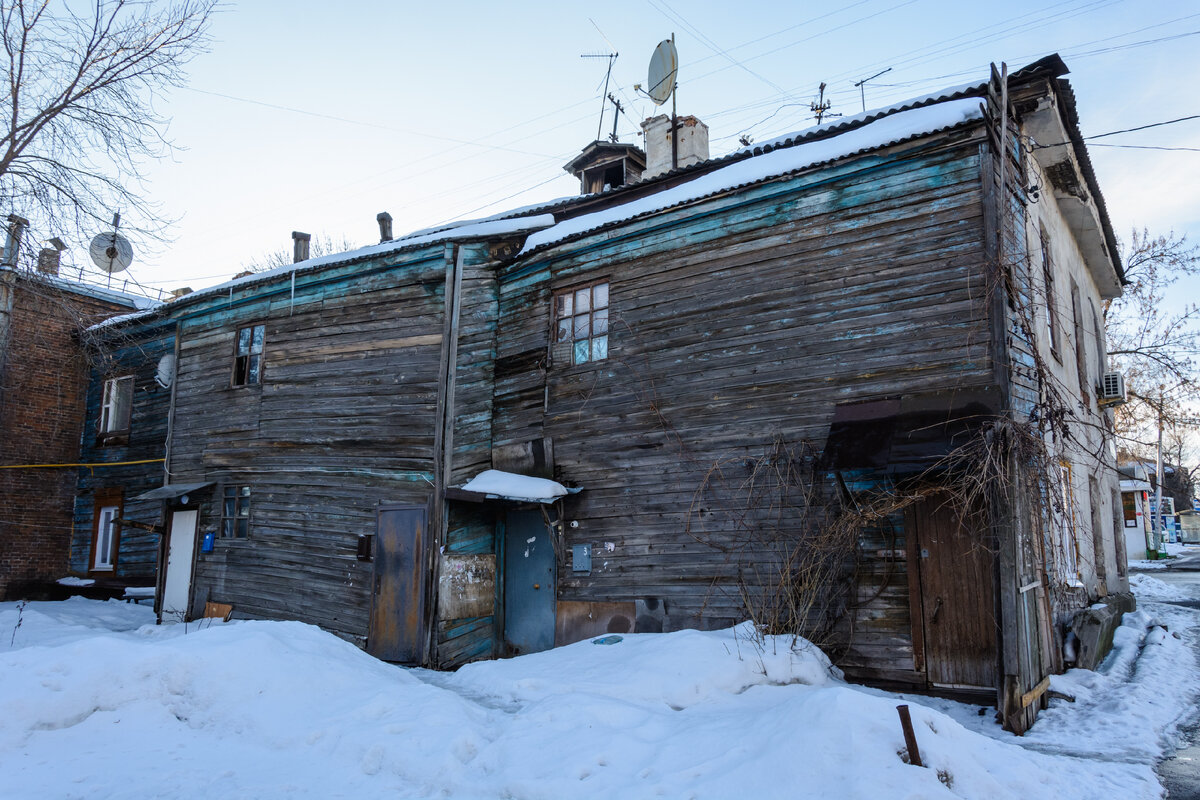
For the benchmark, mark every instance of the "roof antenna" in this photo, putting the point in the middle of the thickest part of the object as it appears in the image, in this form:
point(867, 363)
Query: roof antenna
point(863, 92)
point(606, 96)
point(821, 106)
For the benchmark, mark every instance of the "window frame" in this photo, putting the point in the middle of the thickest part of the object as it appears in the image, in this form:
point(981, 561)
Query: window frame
point(107, 427)
point(102, 501)
point(565, 321)
point(239, 358)
point(1052, 322)
point(229, 524)
point(1068, 528)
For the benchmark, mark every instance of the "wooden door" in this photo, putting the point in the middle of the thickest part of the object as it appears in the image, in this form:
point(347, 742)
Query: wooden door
point(398, 630)
point(181, 551)
point(953, 613)
point(529, 591)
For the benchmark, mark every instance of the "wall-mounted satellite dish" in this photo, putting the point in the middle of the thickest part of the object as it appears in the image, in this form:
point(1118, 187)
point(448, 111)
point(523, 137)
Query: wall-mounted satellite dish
point(111, 252)
point(164, 376)
point(664, 65)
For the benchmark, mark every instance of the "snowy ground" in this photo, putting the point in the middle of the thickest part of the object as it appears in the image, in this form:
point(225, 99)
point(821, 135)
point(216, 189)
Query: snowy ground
point(97, 702)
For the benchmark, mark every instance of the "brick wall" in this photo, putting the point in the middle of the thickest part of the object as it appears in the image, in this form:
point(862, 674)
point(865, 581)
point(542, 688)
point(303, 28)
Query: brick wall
point(42, 390)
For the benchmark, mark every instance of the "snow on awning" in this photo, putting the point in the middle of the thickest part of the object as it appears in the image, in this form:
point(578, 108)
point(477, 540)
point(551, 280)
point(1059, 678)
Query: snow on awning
point(172, 490)
point(494, 484)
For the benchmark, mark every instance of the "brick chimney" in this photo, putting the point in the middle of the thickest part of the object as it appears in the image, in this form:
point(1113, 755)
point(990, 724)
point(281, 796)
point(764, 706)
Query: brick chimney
point(49, 257)
point(385, 226)
point(300, 243)
point(692, 137)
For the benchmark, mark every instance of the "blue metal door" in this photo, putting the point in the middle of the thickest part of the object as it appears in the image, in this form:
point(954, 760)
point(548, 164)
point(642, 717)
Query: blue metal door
point(529, 572)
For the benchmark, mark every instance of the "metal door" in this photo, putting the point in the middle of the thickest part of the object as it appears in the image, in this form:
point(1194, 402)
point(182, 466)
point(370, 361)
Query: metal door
point(181, 550)
point(956, 601)
point(529, 573)
point(398, 629)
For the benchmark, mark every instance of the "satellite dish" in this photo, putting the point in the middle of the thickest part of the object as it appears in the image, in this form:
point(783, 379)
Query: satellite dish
point(111, 252)
point(664, 65)
point(164, 376)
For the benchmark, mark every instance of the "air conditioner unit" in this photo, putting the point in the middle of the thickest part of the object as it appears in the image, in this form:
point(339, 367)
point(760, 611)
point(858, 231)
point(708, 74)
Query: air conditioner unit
point(1112, 389)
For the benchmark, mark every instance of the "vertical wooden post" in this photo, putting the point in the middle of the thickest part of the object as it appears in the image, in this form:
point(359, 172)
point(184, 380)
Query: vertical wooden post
point(910, 737)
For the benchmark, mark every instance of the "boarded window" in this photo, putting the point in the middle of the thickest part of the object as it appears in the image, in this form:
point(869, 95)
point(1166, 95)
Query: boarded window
point(235, 512)
point(247, 360)
point(115, 406)
point(581, 318)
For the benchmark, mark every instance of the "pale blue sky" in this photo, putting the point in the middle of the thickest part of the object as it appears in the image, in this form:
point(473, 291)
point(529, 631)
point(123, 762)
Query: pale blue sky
point(464, 109)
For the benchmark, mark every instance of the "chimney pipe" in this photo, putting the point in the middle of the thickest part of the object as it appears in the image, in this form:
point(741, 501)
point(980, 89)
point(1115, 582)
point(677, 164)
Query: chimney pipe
point(385, 226)
point(49, 257)
point(300, 242)
point(12, 247)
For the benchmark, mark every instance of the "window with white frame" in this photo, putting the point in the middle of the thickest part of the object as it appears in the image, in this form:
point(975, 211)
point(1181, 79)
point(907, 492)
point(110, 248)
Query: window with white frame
point(581, 318)
point(104, 556)
point(115, 405)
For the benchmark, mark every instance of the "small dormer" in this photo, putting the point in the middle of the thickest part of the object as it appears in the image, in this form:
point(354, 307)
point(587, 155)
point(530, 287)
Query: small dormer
point(606, 165)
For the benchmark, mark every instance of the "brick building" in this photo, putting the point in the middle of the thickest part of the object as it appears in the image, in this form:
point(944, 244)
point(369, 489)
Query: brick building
point(43, 379)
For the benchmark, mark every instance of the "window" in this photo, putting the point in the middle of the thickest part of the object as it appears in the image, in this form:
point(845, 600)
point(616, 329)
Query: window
point(581, 318)
point(105, 529)
point(115, 405)
point(247, 358)
point(1048, 275)
point(1068, 544)
point(235, 512)
point(1129, 507)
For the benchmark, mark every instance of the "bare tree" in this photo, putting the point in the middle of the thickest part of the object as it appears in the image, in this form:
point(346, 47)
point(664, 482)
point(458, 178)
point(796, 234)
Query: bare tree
point(1154, 339)
point(322, 245)
point(77, 115)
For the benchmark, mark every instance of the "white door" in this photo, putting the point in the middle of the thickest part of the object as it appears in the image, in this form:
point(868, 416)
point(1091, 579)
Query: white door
point(181, 546)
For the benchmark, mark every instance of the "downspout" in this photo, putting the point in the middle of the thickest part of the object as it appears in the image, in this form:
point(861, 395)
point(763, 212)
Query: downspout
point(443, 455)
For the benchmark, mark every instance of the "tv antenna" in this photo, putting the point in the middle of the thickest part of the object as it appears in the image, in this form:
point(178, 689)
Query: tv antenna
point(606, 96)
point(863, 92)
point(110, 251)
point(820, 107)
point(661, 78)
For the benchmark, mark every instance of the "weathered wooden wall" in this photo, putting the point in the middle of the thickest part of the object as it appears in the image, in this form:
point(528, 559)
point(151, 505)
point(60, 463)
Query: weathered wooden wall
point(343, 419)
point(736, 322)
point(133, 350)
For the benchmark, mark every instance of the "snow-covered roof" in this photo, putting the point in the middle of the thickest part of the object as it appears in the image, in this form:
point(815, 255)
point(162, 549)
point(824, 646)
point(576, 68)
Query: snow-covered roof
point(87, 289)
point(499, 485)
point(887, 128)
point(498, 225)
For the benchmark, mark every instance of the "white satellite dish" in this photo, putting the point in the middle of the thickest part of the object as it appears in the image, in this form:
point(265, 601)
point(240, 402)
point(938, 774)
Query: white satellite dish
point(111, 252)
point(664, 66)
point(164, 376)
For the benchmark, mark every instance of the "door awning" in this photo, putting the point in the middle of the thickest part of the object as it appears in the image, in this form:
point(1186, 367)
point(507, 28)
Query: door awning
point(494, 484)
point(173, 490)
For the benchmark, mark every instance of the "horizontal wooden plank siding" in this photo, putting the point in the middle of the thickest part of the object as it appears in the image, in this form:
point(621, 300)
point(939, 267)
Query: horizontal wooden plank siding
point(343, 419)
point(132, 351)
point(736, 323)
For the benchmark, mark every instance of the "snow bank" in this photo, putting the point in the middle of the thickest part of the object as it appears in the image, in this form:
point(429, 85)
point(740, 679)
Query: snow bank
point(275, 709)
point(1150, 588)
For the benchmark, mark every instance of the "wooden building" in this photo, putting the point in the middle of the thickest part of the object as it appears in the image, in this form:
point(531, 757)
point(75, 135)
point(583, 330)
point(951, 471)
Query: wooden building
point(757, 386)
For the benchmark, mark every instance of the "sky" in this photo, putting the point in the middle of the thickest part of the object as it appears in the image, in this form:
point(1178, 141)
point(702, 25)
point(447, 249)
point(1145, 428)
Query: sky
point(316, 116)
